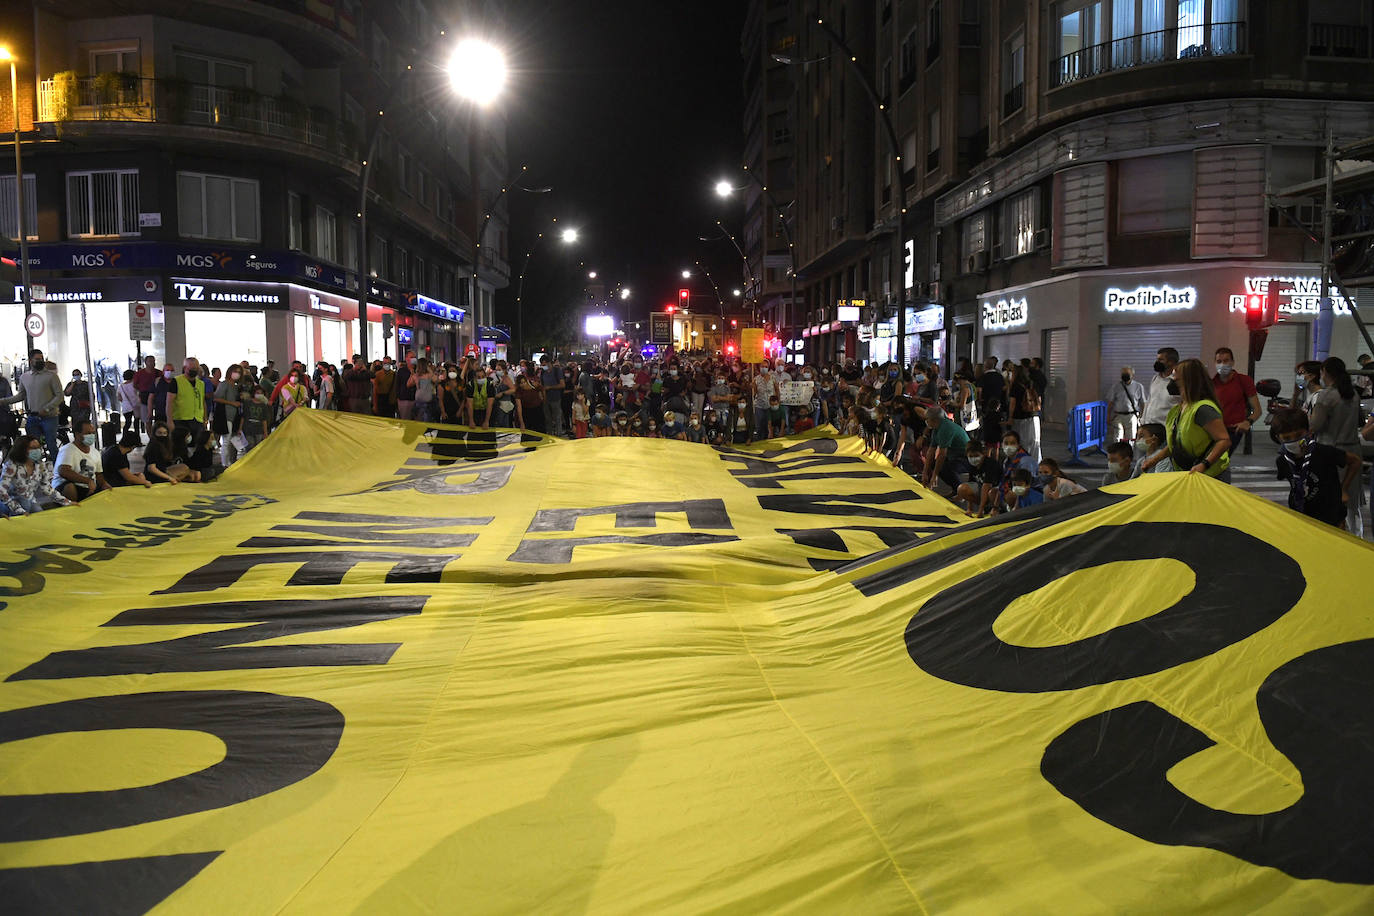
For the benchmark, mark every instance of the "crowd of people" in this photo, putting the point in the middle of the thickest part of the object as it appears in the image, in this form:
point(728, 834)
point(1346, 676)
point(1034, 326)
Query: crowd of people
point(976, 435)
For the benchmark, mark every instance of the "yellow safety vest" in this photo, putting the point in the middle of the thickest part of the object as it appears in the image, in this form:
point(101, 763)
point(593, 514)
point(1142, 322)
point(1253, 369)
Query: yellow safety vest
point(1196, 441)
point(190, 400)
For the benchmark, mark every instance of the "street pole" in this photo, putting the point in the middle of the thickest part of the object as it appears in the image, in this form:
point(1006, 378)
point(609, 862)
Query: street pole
point(475, 176)
point(791, 246)
point(899, 230)
point(1321, 343)
point(19, 197)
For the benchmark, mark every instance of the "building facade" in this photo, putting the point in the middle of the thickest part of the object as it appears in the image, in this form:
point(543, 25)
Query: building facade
point(199, 165)
point(1085, 180)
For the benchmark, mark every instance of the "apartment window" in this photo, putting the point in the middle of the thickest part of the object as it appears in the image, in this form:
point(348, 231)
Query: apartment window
point(885, 83)
point(295, 222)
point(9, 207)
point(906, 63)
point(422, 186)
point(973, 235)
point(1014, 75)
point(970, 31)
point(405, 168)
point(1078, 41)
point(1020, 220)
point(325, 237)
point(933, 141)
point(350, 247)
point(400, 267)
point(1155, 193)
point(417, 274)
point(102, 203)
point(217, 207)
point(909, 159)
point(114, 60)
point(381, 51)
point(212, 71)
point(933, 33)
point(1338, 28)
point(378, 251)
point(1096, 36)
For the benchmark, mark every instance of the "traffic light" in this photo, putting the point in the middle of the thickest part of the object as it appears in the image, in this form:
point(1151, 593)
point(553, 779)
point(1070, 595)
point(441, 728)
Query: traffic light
point(684, 297)
point(388, 322)
point(670, 308)
point(729, 348)
point(1262, 311)
point(734, 322)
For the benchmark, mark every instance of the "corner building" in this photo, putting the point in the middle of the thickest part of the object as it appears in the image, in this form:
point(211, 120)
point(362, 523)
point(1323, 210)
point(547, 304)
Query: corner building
point(203, 159)
point(1122, 205)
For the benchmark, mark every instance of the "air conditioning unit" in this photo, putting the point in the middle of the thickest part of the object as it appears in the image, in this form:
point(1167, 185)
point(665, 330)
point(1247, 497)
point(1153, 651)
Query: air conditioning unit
point(976, 262)
point(1042, 239)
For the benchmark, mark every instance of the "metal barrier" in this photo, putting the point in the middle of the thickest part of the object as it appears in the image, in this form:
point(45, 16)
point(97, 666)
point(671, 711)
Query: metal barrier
point(1087, 430)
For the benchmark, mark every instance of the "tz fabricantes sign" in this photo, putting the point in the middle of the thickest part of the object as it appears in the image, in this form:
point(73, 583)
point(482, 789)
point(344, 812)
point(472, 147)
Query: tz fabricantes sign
point(1011, 312)
point(1297, 295)
point(1151, 299)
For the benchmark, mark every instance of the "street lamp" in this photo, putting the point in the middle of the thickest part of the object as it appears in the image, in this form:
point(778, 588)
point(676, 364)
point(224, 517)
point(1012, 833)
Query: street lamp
point(477, 72)
point(568, 237)
point(744, 259)
point(512, 185)
point(686, 275)
point(5, 55)
point(591, 275)
point(725, 189)
point(625, 293)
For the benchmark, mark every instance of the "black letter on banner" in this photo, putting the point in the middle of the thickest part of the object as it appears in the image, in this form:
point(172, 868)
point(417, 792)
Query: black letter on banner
point(1004, 528)
point(560, 550)
point(118, 886)
point(814, 446)
point(951, 635)
point(317, 568)
point(352, 529)
point(270, 742)
point(1316, 711)
point(701, 513)
point(861, 504)
point(224, 650)
point(761, 474)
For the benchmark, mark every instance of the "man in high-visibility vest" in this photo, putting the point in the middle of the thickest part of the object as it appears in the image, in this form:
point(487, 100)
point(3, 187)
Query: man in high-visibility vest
point(186, 400)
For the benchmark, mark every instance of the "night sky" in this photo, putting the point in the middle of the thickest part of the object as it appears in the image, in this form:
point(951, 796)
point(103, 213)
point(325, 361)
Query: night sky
point(631, 111)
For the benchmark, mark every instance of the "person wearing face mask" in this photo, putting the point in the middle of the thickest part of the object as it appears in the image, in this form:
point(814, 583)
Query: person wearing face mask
point(1152, 439)
point(79, 393)
point(984, 473)
point(294, 391)
point(356, 383)
point(1014, 458)
point(1160, 400)
point(722, 402)
point(1335, 421)
point(1308, 385)
point(41, 391)
point(1125, 401)
point(651, 429)
point(1319, 476)
point(160, 461)
point(1240, 405)
point(186, 401)
point(1021, 492)
point(115, 460)
point(581, 414)
point(1120, 457)
point(1197, 438)
point(78, 472)
point(601, 423)
point(553, 383)
point(622, 424)
point(384, 388)
point(26, 479)
point(257, 418)
point(693, 432)
point(452, 402)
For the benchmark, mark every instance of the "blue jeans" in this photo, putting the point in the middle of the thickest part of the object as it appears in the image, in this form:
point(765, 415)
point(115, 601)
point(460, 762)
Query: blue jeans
point(44, 428)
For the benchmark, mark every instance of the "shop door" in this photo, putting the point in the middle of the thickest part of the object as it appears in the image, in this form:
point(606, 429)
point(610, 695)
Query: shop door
point(304, 327)
point(1138, 345)
point(1056, 350)
point(1014, 347)
point(1286, 346)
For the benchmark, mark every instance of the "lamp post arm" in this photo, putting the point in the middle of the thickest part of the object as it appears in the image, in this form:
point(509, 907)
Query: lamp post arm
point(787, 236)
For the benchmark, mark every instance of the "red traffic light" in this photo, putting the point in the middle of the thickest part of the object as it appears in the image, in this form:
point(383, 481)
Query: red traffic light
point(684, 296)
point(1262, 311)
point(734, 322)
point(730, 348)
point(670, 308)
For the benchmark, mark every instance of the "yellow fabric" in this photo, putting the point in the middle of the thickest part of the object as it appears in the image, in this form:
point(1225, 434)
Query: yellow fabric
point(1196, 440)
point(770, 702)
point(190, 399)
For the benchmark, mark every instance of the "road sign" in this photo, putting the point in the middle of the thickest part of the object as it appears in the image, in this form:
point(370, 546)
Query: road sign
point(472, 350)
point(140, 321)
point(38, 292)
point(660, 328)
point(34, 325)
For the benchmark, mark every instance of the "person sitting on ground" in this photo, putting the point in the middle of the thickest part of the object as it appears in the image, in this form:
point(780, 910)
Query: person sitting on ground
point(622, 424)
point(777, 418)
point(1319, 476)
point(78, 472)
point(200, 456)
point(978, 492)
point(693, 432)
point(160, 461)
point(1054, 483)
point(601, 422)
point(26, 480)
point(116, 462)
point(1022, 493)
point(804, 421)
point(1120, 455)
point(673, 427)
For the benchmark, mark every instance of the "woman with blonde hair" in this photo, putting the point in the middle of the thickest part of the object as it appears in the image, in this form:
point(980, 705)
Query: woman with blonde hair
point(1197, 436)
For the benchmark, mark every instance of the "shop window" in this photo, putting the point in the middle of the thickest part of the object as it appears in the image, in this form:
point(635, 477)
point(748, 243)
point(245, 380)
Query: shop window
point(1155, 193)
point(326, 235)
point(102, 204)
point(295, 222)
point(217, 207)
point(1020, 220)
point(9, 207)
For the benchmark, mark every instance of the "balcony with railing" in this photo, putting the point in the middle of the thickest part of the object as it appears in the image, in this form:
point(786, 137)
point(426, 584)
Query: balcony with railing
point(1329, 39)
point(115, 97)
point(1218, 39)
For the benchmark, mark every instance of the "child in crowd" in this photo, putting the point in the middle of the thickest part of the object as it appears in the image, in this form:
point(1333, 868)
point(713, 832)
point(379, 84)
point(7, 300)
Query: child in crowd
point(601, 423)
point(579, 414)
point(853, 426)
point(979, 492)
point(672, 426)
point(1319, 476)
point(804, 421)
point(693, 431)
point(1120, 457)
point(1156, 458)
point(1054, 483)
point(777, 418)
point(1023, 492)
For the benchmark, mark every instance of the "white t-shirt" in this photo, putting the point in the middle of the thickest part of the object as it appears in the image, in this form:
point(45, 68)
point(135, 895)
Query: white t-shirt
point(1160, 401)
point(87, 464)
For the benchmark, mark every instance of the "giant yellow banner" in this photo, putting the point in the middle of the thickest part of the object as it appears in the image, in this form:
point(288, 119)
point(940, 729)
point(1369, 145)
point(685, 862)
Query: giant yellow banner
point(380, 667)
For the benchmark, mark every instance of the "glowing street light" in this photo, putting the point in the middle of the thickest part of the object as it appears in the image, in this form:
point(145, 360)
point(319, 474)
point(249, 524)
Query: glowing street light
point(686, 275)
point(477, 71)
point(625, 293)
point(591, 275)
point(736, 292)
point(569, 236)
point(724, 188)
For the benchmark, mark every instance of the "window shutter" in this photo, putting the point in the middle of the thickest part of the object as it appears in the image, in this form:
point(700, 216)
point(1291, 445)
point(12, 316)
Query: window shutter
point(1080, 216)
point(1230, 215)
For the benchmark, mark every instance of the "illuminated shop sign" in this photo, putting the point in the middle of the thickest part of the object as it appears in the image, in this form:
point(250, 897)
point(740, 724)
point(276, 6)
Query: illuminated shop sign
point(1297, 295)
point(1151, 299)
point(1011, 312)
